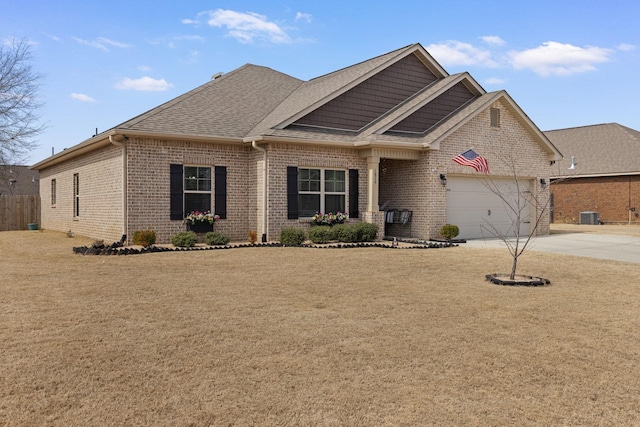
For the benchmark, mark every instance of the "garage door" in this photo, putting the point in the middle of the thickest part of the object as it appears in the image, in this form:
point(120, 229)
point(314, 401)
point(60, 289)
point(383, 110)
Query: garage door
point(475, 209)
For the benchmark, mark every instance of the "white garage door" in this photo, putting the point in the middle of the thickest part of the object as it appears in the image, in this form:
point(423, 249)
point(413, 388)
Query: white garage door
point(475, 209)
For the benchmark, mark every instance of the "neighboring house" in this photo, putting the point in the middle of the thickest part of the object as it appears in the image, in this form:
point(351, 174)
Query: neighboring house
point(18, 181)
point(604, 184)
point(265, 150)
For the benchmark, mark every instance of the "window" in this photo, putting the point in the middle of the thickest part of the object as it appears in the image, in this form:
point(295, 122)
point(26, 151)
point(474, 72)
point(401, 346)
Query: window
point(53, 192)
point(76, 195)
point(495, 117)
point(321, 190)
point(197, 189)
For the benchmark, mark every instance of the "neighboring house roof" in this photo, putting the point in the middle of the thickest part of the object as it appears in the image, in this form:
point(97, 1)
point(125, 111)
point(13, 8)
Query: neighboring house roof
point(402, 99)
point(598, 150)
point(18, 180)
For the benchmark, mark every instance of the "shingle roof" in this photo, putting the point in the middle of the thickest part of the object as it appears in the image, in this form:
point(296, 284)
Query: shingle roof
point(604, 149)
point(228, 106)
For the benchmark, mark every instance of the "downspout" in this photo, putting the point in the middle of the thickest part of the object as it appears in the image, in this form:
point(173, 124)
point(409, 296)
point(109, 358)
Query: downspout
point(264, 189)
point(125, 222)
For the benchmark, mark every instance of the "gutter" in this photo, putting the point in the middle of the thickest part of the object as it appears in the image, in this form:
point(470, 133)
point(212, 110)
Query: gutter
point(265, 187)
point(123, 144)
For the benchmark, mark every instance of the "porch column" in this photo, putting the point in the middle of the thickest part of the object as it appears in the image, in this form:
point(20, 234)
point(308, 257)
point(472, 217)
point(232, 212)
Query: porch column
point(373, 164)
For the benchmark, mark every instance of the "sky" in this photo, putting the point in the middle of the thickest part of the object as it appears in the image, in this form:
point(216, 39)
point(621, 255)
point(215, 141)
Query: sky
point(566, 63)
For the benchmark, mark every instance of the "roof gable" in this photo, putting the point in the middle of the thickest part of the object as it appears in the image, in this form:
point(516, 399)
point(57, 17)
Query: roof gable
point(370, 99)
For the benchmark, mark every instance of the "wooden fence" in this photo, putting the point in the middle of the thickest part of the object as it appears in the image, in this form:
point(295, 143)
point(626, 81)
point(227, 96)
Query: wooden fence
point(16, 212)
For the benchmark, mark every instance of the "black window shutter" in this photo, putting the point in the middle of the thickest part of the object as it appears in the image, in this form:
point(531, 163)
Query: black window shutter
point(220, 201)
point(354, 212)
point(175, 190)
point(292, 192)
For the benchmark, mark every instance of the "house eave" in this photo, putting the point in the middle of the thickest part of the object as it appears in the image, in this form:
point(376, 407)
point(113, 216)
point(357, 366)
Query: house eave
point(102, 140)
point(594, 175)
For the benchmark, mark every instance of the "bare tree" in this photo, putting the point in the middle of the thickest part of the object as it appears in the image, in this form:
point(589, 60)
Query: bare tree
point(18, 103)
point(523, 205)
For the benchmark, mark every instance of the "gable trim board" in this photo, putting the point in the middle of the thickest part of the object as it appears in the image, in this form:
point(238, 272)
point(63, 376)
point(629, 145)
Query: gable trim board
point(215, 124)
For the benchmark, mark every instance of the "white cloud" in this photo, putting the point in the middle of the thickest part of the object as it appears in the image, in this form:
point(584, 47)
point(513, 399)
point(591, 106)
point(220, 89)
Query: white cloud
point(493, 40)
point(453, 52)
point(246, 27)
point(626, 47)
point(300, 16)
point(101, 43)
point(494, 81)
point(82, 97)
point(553, 58)
point(144, 84)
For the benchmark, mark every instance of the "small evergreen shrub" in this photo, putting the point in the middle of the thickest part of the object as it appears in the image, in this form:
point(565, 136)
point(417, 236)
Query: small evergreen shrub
point(449, 231)
point(290, 236)
point(320, 234)
point(213, 238)
point(144, 238)
point(185, 239)
point(344, 233)
point(366, 232)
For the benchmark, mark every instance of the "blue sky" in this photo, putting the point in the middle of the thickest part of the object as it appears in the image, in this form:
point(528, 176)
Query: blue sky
point(566, 63)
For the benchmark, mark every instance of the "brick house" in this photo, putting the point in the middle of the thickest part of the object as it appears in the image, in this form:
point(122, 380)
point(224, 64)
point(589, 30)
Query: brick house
point(265, 150)
point(606, 176)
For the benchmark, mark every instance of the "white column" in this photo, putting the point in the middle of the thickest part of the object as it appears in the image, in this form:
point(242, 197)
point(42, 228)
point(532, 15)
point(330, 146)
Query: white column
point(373, 164)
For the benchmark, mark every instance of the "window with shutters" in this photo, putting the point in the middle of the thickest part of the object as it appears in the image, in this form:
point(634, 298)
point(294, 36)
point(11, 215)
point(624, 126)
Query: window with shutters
point(197, 189)
point(321, 190)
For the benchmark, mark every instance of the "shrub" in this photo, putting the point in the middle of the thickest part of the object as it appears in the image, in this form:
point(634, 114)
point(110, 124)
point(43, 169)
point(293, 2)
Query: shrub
point(449, 231)
point(144, 238)
point(215, 238)
point(186, 239)
point(320, 234)
point(344, 233)
point(253, 236)
point(290, 236)
point(366, 232)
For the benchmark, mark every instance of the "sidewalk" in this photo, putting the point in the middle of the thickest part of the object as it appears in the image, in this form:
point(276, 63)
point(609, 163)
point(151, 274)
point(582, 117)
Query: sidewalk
point(617, 248)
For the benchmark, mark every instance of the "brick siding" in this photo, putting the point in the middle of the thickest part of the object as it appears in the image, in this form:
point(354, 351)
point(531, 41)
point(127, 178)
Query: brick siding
point(611, 197)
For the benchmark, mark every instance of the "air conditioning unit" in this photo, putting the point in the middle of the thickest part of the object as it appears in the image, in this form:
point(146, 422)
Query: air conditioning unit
point(592, 218)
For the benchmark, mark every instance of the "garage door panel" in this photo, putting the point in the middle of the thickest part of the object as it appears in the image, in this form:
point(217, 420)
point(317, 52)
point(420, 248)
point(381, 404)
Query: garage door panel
point(475, 209)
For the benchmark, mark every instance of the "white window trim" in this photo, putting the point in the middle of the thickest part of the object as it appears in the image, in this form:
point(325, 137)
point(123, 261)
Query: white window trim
point(322, 191)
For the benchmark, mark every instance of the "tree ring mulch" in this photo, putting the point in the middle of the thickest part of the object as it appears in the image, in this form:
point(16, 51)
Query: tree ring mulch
point(519, 280)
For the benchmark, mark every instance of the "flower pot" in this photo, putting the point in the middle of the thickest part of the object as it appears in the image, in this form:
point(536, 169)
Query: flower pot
point(33, 226)
point(200, 227)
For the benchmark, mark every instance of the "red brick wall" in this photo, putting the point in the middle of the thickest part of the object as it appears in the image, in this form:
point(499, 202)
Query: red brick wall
point(611, 197)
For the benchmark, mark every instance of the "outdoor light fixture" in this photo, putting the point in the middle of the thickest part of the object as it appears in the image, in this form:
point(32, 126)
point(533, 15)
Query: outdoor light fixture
point(543, 183)
point(443, 179)
point(573, 163)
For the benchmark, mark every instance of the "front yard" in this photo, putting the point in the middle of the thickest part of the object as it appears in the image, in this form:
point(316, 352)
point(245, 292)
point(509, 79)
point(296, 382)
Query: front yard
point(299, 336)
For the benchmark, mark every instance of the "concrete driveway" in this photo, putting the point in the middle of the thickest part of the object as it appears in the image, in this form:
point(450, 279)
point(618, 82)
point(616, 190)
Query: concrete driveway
point(617, 248)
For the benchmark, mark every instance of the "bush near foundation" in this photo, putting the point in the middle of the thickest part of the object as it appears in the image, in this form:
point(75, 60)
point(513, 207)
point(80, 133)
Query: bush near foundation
point(290, 236)
point(214, 238)
point(144, 238)
point(185, 239)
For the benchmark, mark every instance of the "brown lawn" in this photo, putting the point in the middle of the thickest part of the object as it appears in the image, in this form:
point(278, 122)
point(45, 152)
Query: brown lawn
point(327, 337)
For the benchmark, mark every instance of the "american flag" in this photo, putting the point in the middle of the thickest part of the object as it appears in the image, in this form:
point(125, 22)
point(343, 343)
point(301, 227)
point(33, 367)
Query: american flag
point(473, 159)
